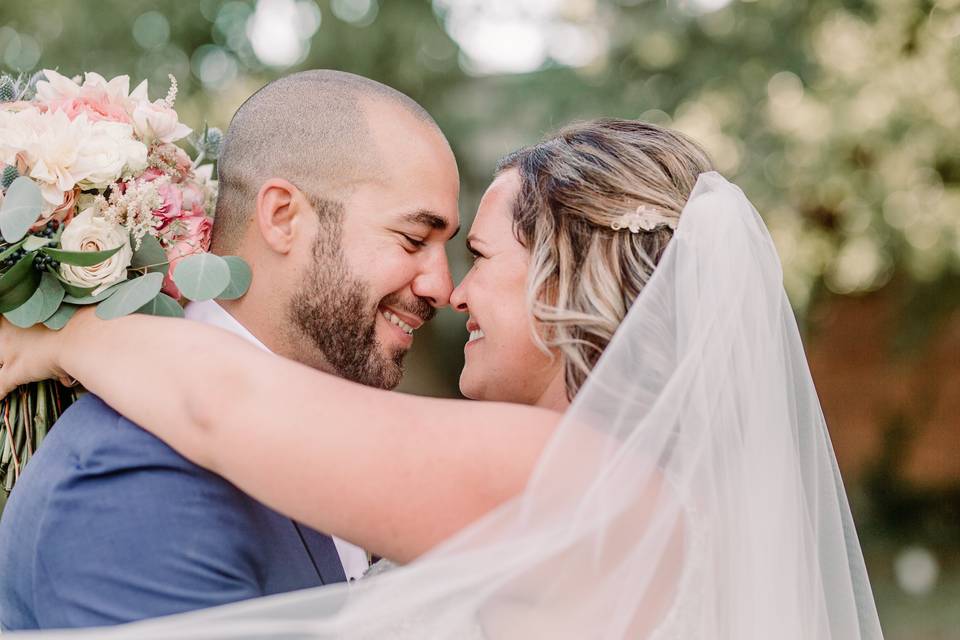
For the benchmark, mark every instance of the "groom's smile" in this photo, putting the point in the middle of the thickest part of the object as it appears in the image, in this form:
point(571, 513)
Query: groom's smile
point(401, 319)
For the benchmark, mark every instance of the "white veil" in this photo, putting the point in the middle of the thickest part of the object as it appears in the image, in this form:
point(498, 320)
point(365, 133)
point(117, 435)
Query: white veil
point(691, 491)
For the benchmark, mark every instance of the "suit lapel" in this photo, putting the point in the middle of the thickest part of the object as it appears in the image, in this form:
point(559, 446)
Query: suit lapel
point(322, 553)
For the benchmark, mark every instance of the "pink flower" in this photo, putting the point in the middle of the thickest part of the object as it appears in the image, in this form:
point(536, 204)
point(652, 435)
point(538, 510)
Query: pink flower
point(96, 109)
point(97, 97)
point(172, 206)
point(62, 214)
point(151, 174)
point(192, 236)
point(182, 162)
point(157, 121)
point(193, 199)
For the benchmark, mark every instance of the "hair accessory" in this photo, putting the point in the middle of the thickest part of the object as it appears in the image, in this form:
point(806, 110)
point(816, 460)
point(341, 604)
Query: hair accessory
point(644, 218)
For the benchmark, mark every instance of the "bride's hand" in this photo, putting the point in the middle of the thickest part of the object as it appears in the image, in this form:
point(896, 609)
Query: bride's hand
point(29, 355)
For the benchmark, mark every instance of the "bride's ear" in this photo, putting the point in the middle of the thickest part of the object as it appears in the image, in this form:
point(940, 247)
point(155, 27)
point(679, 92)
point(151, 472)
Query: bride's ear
point(278, 216)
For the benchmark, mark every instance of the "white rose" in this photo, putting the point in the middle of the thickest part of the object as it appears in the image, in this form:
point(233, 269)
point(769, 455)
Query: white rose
point(109, 152)
point(155, 121)
point(87, 232)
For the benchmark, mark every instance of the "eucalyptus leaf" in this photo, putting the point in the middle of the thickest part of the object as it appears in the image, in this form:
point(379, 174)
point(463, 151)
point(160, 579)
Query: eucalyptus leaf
point(18, 284)
point(42, 304)
point(32, 243)
point(62, 316)
point(151, 255)
point(240, 278)
point(92, 299)
point(202, 276)
point(130, 296)
point(20, 209)
point(80, 258)
point(16, 273)
point(71, 289)
point(162, 305)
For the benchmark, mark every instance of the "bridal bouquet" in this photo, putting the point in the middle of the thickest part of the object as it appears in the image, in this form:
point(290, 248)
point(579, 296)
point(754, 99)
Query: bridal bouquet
point(98, 206)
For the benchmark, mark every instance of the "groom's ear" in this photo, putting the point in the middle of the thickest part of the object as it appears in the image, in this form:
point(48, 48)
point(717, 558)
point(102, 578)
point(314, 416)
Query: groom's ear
point(277, 216)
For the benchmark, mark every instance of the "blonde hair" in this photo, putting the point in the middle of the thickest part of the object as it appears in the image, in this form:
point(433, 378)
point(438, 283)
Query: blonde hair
point(584, 275)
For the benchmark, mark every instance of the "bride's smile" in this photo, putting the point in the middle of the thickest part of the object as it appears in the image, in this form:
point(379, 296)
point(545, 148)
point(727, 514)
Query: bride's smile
point(502, 359)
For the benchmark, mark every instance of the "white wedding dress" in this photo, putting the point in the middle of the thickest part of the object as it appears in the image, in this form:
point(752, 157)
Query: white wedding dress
point(690, 492)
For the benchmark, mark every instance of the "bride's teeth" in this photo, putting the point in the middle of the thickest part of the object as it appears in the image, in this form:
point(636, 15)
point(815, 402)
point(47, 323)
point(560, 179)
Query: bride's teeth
point(476, 335)
point(397, 321)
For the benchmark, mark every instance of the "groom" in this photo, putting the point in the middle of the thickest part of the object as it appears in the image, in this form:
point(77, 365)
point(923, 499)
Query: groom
point(340, 193)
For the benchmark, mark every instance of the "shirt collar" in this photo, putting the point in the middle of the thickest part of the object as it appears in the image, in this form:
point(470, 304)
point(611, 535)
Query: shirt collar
point(209, 312)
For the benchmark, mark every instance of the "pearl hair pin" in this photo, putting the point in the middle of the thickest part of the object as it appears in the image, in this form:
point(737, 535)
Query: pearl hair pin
point(644, 218)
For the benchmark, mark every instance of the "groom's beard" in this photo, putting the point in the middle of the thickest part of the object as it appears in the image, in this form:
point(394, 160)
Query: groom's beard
point(334, 311)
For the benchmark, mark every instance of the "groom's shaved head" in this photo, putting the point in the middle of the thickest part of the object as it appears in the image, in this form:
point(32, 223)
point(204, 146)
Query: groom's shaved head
point(310, 128)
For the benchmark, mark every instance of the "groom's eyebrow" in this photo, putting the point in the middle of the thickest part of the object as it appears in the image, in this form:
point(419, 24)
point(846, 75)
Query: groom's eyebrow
point(429, 219)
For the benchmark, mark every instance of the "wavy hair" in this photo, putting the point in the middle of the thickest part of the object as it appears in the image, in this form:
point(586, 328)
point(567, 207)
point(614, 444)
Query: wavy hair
point(584, 275)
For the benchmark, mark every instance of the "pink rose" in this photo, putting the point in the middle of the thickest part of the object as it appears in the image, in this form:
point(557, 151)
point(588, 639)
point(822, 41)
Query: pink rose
point(172, 206)
point(193, 236)
point(151, 174)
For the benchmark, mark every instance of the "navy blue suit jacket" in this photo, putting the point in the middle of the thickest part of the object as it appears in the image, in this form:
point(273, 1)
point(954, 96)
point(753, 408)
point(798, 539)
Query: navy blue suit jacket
point(109, 525)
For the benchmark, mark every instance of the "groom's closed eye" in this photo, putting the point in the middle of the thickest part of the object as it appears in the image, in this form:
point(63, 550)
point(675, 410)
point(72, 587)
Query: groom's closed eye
point(414, 243)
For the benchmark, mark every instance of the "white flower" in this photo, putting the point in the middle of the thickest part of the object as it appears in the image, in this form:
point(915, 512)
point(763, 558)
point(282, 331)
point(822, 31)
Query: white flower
point(87, 232)
point(156, 121)
point(56, 87)
point(16, 131)
point(53, 143)
point(109, 153)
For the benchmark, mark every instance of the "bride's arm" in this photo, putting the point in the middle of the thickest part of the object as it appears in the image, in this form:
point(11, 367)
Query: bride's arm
point(391, 472)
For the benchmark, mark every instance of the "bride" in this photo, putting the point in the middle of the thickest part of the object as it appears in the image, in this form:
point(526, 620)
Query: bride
point(651, 460)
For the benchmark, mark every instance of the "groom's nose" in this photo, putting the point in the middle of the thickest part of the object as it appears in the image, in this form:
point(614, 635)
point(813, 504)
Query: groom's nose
point(434, 283)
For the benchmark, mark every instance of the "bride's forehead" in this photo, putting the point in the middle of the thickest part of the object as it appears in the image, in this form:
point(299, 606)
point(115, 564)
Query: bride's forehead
point(496, 207)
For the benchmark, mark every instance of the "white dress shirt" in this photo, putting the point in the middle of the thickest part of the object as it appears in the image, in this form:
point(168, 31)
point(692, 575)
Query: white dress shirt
point(352, 557)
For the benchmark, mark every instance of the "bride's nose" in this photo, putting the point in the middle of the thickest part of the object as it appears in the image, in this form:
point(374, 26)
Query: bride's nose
point(458, 299)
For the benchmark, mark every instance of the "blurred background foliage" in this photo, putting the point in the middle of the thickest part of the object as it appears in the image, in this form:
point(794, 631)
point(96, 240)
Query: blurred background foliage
point(839, 118)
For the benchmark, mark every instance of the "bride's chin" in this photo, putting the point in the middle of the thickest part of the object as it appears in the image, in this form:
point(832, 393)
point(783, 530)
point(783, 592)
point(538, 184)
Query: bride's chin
point(468, 386)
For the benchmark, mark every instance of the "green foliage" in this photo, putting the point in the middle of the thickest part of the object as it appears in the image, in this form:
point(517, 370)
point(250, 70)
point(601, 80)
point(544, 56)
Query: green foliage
point(62, 316)
point(87, 296)
point(32, 243)
point(207, 143)
point(8, 93)
point(80, 258)
point(162, 305)
point(20, 209)
point(240, 278)
point(10, 172)
point(130, 296)
point(40, 306)
point(202, 276)
point(150, 255)
point(18, 284)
